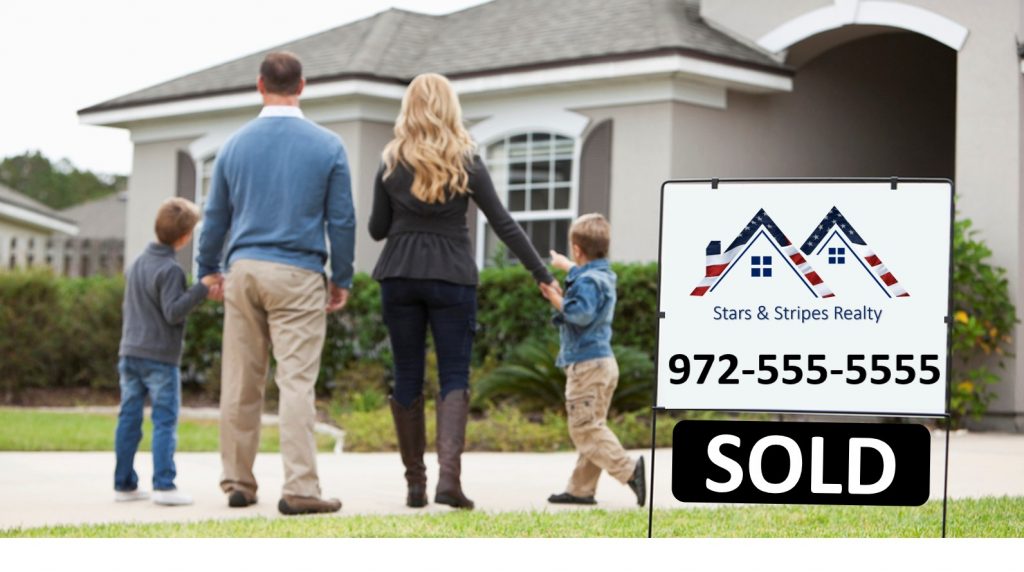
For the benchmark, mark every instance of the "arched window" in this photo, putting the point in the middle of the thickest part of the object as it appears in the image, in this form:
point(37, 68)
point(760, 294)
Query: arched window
point(534, 175)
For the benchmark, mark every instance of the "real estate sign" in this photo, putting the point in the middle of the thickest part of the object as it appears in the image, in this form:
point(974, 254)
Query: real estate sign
point(805, 296)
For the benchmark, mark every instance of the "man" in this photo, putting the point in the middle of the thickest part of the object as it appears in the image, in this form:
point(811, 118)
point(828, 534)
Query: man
point(278, 183)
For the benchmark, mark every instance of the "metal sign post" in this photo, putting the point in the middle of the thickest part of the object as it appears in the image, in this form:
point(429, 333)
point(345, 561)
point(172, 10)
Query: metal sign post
point(818, 297)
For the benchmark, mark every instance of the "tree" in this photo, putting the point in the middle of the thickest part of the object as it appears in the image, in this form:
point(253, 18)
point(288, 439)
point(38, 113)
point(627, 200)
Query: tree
point(57, 185)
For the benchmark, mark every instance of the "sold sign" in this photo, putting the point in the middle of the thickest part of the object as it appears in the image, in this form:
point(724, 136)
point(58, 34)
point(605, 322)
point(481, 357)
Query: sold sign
point(801, 463)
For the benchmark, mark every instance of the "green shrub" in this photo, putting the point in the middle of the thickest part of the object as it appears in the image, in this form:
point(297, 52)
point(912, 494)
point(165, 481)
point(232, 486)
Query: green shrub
point(529, 378)
point(30, 340)
point(511, 309)
point(90, 331)
point(983, 322)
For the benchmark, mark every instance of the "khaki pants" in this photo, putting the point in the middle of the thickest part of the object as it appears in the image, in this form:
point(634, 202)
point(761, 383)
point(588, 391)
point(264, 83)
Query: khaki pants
point(270, 305)
point(589, 386)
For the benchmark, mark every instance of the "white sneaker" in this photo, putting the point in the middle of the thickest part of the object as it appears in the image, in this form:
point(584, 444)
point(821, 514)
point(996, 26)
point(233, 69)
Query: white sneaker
point(173, 497)
point(128, 496)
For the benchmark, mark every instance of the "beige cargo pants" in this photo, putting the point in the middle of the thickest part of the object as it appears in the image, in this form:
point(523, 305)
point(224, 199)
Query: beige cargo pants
point(271, 306)
point(589, 386)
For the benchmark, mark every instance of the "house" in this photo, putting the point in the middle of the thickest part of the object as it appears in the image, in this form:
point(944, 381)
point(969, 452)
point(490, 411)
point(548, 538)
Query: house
point(99, 246)
point(30, 232)
point(589, 105)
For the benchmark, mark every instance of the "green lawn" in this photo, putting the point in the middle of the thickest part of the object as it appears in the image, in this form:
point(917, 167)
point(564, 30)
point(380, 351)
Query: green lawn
point(990, 517)
point(33, 430)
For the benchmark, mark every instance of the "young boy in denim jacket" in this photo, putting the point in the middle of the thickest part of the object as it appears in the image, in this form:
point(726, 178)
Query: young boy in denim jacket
point(584, 320)
point(156, 303)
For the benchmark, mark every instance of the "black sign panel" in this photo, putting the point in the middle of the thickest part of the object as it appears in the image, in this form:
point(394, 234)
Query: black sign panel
point(800, 463)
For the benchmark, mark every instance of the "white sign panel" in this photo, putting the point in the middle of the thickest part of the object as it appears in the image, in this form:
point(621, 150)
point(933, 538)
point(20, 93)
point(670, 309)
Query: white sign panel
point(805, 296)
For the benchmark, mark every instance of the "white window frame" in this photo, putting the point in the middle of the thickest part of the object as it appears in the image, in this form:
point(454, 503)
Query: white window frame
point(569, 214)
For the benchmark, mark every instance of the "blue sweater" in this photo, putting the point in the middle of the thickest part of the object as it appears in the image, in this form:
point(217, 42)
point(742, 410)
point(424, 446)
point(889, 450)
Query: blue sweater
point(277, 184)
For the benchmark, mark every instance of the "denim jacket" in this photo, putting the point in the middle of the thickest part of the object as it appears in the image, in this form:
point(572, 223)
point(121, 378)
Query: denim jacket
point(585, 322)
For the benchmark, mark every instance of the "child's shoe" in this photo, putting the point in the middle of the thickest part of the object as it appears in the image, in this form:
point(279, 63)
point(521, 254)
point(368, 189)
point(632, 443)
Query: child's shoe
point(172, 497)
point(566, 498)
point(128, 496)
point(638, 484)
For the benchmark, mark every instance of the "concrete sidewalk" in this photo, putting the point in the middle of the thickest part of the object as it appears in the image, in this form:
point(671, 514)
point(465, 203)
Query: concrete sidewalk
point(72, 488)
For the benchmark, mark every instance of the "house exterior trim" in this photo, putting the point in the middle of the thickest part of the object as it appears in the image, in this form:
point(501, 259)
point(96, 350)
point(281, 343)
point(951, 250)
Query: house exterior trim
point(707, 70)
point(39, 220)
point(849, 12)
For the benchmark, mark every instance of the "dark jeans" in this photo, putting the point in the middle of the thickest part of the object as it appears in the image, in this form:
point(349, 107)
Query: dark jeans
point(409, 306)
point(162, 382)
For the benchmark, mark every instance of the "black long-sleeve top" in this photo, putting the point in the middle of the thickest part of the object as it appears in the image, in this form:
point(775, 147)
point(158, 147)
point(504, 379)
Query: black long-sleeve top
point(431, 241)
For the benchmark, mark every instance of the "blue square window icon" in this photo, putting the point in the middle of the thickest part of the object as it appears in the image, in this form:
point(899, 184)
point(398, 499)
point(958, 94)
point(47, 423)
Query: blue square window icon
point(837, 255)
point(761, 266)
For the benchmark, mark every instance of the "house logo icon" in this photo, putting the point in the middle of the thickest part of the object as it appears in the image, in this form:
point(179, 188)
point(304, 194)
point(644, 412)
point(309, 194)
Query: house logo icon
point(833, 240)
point(835, 237)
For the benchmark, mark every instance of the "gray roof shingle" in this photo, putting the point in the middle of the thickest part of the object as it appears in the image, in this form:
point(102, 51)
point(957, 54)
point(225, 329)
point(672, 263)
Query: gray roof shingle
point(396, 45)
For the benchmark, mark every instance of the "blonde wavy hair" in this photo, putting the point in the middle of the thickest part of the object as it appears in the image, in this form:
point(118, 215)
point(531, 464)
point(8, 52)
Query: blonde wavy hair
point(430, 140)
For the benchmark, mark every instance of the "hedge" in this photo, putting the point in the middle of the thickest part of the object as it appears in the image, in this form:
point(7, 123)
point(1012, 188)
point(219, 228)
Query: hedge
point(64, 332)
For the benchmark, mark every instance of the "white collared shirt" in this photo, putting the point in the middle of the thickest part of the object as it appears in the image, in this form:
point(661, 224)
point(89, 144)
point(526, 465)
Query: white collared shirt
point(281, 111)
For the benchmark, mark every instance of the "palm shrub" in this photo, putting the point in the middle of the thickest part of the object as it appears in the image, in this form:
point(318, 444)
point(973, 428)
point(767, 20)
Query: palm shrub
point(529, 379)
point(983, 320)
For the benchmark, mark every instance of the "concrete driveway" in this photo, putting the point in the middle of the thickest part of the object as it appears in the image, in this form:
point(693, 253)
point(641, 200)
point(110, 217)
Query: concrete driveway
point(72, 488)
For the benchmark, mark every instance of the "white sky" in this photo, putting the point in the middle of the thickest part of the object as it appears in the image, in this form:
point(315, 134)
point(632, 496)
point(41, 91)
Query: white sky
point(58, 56)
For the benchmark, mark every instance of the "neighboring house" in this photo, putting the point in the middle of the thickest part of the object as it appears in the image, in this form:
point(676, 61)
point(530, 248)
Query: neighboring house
point(100, 240)
point(583, 106)
point(31, 233)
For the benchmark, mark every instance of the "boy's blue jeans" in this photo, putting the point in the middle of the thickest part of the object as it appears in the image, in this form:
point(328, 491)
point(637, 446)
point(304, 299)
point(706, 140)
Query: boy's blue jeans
point(162, 382)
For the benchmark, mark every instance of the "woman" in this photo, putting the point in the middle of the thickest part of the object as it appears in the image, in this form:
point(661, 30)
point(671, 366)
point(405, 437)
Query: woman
point(428, 275)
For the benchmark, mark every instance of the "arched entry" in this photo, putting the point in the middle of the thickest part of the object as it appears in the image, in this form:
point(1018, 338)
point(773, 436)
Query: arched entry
point(844, 13)
point(871, 101)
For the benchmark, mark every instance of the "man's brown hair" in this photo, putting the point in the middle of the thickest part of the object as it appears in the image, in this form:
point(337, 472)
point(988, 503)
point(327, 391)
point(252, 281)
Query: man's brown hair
point(281, 73)
point(593, 234)
point(176, 218)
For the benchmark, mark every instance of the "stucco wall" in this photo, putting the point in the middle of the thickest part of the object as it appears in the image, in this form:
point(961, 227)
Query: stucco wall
point(641, 162)
point(364, 141)
point(153, 180)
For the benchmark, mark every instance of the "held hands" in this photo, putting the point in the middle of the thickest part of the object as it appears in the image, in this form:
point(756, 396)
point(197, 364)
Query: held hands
point(215, 284)
point(338, 298)
point(553, 293)
point(560, 261)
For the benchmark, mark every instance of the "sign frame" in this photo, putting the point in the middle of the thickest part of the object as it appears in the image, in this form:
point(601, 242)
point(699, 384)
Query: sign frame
point(893, 183)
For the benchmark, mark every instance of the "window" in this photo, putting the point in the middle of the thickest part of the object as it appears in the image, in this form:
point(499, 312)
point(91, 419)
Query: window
point(761, 266)
point(837, 255)
point(533, 174)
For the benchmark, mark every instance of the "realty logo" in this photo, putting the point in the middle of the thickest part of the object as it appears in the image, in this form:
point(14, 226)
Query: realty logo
point(834, 233)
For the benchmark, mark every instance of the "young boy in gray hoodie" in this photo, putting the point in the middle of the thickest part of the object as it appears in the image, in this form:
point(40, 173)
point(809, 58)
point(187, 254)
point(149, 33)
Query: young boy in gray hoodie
point(157, 300)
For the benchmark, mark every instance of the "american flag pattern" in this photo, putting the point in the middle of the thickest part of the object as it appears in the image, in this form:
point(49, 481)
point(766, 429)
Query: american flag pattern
point(718, 262)
point(834, 218)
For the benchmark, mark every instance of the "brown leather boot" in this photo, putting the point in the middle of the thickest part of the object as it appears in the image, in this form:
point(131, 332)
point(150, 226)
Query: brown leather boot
point(291, 505)
point(452, 415)
point(411, 427)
